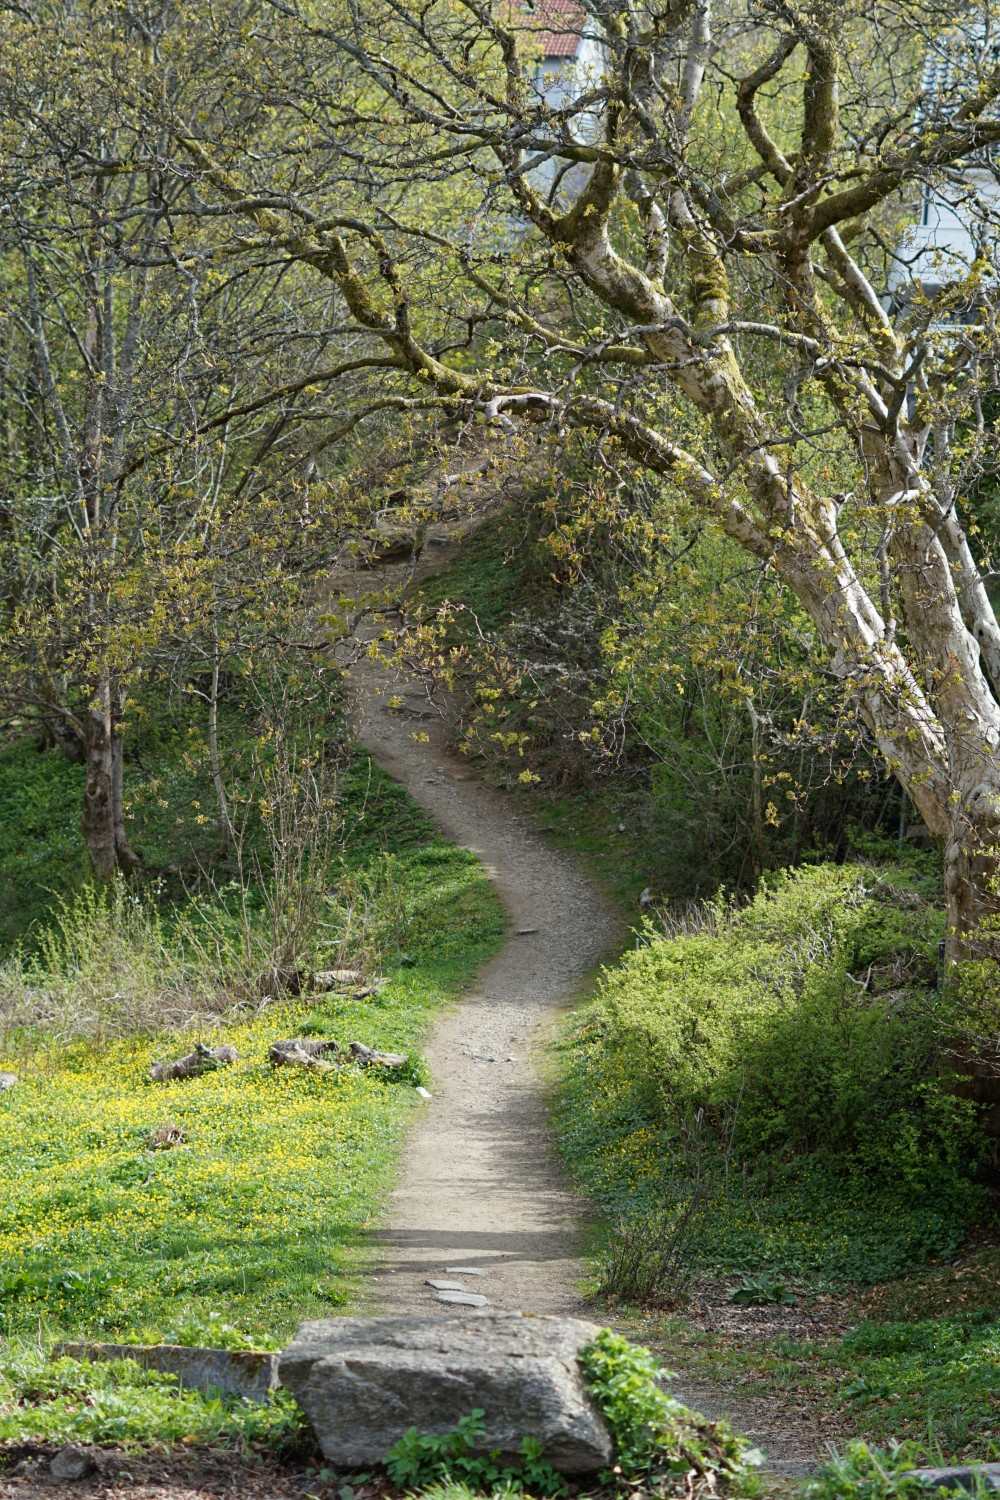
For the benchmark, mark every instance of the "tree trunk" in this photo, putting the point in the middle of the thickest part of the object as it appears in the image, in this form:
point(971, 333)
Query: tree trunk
point(103, 818)
point(126, 857)
point(225, 823)
point(972, 859)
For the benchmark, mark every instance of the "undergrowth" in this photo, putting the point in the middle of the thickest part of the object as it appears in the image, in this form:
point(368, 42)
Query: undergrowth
point(660, 1447)
point(656, 1438)
point(419, 1460)
point(778, 1061)
point(122, 1404)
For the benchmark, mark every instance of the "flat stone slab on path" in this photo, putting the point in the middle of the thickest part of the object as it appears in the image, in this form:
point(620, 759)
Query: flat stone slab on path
point(364, 1382)
point(464, 1299)
point(463, 1271)
point(446, 1286)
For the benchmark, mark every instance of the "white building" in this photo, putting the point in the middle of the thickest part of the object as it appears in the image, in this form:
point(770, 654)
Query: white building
point(960, 213)
point(562, 42)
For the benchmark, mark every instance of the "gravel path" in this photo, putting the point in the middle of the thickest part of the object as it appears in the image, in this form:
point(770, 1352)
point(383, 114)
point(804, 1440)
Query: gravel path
point(480, 1185)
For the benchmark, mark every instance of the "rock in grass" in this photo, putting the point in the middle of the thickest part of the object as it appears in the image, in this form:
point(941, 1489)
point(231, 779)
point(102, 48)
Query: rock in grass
point(7, 1081)
point(973, 1477)
point(250, 1373)
point(72, 1463)
point(371, 1059)
point(364, 1382)
point(302, 1051)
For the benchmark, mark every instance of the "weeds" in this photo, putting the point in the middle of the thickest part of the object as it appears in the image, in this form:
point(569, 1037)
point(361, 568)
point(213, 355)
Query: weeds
point(123, 1404)
point(421, 1459)
point(864, 1473)
point(657, 1440)
point(651, 1259)
point(107, 967)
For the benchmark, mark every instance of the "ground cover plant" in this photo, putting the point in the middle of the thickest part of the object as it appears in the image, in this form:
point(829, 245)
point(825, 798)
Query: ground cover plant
point(908, 1365)
point(764, 1079)
point(121, 1404)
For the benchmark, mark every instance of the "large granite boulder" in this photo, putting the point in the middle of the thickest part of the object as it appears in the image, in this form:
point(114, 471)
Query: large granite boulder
point(363, 1382)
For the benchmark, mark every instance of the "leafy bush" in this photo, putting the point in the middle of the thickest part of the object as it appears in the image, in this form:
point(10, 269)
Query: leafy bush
point(421, 1459)
point(655, 1437)
point(789, 1048)
point(774, 1022)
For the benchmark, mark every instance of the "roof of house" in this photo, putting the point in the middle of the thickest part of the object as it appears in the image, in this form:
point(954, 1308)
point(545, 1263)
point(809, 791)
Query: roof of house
point(557, 25)
point(956, 63)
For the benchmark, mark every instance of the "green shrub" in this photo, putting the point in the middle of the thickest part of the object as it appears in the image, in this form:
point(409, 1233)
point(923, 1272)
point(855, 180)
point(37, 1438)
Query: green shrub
point(774, 1022)
point(788, 1052)
point(420, 1459)
point(655, 1437)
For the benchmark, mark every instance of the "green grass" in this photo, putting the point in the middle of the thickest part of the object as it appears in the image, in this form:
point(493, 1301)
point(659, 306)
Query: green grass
point(920, 1366)
point(500, 565)
point(121, 1404)
point(41, 851)
point(260, 1215)
point(932, 1382)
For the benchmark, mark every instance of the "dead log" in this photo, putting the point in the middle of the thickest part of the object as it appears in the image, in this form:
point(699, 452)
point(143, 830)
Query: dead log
point(294, 1055)
point(202, 1060)
point(368, 1058)
point(310, 1046)
point(7, 1081)
point(331, 979)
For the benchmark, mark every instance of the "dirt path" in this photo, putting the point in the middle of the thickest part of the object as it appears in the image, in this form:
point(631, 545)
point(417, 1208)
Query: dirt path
point(480, 1184)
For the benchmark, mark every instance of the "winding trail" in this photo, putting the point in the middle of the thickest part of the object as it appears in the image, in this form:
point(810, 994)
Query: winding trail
point(480, 1183)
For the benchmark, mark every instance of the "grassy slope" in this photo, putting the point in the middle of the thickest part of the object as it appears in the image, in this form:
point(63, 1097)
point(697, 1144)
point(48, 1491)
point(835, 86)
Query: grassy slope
point(259, 1218)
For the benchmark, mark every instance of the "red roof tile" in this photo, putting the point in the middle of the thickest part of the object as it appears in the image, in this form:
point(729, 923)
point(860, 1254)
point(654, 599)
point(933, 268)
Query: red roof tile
point(556, 25)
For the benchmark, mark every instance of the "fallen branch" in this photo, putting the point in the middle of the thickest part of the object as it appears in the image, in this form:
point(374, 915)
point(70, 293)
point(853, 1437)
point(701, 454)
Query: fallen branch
point(202, 1060)
point(368, 1058)
point(330, 979)
point(303, 1052)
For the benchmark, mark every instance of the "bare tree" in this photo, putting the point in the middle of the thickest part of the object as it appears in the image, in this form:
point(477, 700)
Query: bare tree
point(160, 496)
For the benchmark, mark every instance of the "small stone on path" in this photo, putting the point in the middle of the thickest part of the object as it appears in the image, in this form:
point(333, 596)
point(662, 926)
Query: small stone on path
point(464, 1299)
point(526, 931)
point(447, 1286)
point(466, 1271)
